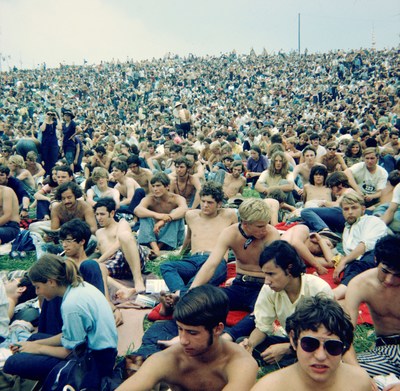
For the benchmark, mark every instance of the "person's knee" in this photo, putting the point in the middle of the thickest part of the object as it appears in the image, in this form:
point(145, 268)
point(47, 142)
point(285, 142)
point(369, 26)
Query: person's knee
point(125, 237)
point(166, 267)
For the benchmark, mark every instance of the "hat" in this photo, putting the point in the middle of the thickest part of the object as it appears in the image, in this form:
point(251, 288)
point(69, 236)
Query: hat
point(178, 104)
point(69, 112)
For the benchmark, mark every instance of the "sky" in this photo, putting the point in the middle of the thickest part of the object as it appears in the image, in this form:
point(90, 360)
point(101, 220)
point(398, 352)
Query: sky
point(34, 32)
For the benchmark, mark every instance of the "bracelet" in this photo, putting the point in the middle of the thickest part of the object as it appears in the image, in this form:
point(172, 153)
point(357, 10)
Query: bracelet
point(24, 209)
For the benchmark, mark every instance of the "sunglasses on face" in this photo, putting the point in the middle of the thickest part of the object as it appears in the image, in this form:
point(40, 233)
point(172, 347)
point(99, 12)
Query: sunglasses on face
point(333, 347)
point(331, 149)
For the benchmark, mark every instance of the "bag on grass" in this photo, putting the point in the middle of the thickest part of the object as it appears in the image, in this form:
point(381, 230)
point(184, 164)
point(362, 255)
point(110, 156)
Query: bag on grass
point(23, 242)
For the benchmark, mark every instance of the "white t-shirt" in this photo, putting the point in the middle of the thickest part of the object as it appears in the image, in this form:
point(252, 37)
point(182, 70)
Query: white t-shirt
point(369, 182)
point(396, 194)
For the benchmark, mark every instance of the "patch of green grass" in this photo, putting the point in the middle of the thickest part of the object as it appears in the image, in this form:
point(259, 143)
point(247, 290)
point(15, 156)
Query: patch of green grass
point(10, 264)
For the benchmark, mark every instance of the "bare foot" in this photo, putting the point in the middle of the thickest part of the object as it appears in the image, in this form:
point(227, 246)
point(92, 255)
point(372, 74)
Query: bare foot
point(168, 301)
point(125, 293)
point(140, 287)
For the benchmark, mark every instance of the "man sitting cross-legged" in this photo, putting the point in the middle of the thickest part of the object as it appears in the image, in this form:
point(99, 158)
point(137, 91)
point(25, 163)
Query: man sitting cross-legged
point(202, 360)
point(203, 228)
point(320, 333)
point(121, 256)
point(161, 216)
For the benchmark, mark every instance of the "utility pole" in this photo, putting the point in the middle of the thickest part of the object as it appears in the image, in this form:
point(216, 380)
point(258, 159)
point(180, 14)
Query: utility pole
point(298, 32)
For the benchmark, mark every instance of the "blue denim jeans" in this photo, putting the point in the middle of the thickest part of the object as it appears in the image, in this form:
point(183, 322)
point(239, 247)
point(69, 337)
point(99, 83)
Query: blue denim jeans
point(179, 275)
point(395, 224)
point(319, 218)
point(242, 296)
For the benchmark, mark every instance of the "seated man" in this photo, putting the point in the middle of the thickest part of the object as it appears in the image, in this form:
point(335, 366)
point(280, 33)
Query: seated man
point(161, 216)
point(203, 228)
point(320, 333)
point(390, 213)
point(359, 237)
point(184, 183)
point(379, 288)
point(202, 360)
point(247, 240)
point(9, 215)
point(121, 256)
point(285, 285)
point(235, 182)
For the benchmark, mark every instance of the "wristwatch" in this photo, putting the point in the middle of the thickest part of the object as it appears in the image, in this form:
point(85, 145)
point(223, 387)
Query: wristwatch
point(24, 209)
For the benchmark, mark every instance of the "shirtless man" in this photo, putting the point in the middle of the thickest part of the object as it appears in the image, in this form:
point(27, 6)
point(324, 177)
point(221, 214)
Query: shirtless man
point(161, 216)
point(125, 185)
point(197, 169)
point(235, 182)
point(379, 288)
point(120, 257)
point(141, 175)
point(203, 228)
point(320, 333)
point(247, 240)
point(9, 215)
point(202, 360)
point(185, 184)
point(316, 193)
point(303, 169)
point(70, 207)
point(314, 248)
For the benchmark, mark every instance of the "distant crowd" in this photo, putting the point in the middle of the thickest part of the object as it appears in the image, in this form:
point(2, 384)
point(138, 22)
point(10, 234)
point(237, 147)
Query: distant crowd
point(273, 163)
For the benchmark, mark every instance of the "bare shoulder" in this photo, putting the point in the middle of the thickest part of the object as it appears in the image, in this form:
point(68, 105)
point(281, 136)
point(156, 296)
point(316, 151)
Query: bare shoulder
point(355, 377)
point(365, 284)
point(272, 234)
point(192, 215)
point(278, 380)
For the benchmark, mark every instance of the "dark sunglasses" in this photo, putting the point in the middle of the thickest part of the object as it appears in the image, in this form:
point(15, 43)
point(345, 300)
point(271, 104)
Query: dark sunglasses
point(333, 347)
point(332, 149)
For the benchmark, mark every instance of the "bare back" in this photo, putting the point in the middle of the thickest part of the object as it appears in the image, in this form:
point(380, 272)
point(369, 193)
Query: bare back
point(9, 202)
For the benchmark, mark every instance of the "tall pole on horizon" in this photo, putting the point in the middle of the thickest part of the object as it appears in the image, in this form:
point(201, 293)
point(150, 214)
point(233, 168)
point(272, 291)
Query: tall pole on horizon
point(298, 32)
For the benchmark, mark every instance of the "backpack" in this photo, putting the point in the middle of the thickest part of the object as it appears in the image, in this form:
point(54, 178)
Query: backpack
point(23, 242)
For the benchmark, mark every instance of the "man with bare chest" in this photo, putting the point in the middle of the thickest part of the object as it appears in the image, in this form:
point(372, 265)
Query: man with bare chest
point(161, 216)
point(247, 240)
point(202, 361)
point(9, 215)
point(70, 207)
point(185, 184)
point(203, 229)
point(121, 257)
point(379, 288)
point(130, 191)
point(316, 193)
point(141, 175)
point(235, 182)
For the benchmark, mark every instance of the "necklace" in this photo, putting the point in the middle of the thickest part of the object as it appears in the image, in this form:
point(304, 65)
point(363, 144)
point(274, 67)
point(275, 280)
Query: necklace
point(249, 239)
point(182, 192)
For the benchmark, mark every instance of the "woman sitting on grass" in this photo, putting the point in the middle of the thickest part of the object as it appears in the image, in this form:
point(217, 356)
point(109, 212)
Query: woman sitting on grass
point(87, 318)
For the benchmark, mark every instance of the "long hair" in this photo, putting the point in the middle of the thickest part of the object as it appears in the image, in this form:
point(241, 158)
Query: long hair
point(285, 165)
point(53, 267)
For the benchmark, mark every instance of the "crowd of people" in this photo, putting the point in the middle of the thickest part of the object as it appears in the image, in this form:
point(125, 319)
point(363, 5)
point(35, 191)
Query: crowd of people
point(274, 163)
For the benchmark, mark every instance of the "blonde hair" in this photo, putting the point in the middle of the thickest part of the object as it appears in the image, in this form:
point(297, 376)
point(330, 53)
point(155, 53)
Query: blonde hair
point(17, 160)
point(369, 150)
point(352, 197)
point(254, 209)
point(99, 172)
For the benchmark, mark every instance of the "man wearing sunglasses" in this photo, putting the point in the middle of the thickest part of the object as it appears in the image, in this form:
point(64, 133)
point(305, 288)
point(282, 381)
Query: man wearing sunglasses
point(320, 333)
point(379, 288)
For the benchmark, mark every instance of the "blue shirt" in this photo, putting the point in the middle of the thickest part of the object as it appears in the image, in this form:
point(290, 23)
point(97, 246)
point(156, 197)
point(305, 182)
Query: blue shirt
point(87, 316)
